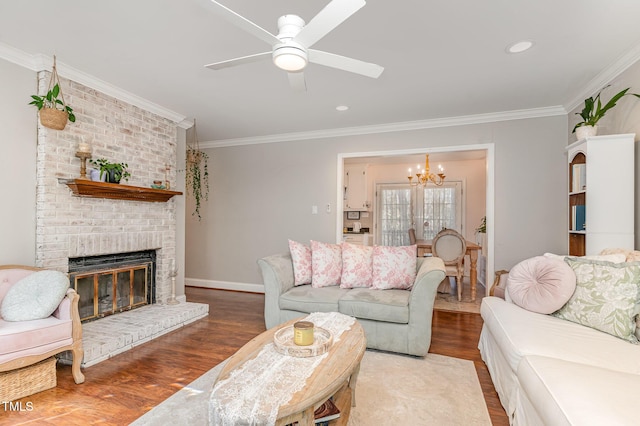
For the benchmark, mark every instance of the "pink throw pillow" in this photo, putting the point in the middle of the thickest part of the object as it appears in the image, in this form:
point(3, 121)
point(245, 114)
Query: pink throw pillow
point(394, 267)
point(301, 258)
point(541, 284)
point(326, 264)
point(357, 266)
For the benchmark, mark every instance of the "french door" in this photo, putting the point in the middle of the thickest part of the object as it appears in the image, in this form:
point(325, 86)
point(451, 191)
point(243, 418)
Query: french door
point(427, 210)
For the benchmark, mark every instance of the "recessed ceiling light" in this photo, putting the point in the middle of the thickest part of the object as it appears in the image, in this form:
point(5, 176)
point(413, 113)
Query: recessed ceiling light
point(342, 108)
point(520, 46)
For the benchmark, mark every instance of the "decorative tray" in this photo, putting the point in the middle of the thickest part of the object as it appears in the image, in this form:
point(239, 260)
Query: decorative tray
point(283, 342)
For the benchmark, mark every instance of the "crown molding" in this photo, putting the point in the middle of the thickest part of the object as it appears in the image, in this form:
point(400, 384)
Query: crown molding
point(392, 127)
point(605, 77)
point(39, 62)
point(17, 56)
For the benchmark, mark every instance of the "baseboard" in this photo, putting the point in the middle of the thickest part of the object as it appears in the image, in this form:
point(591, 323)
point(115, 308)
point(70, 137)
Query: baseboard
point(224, 285)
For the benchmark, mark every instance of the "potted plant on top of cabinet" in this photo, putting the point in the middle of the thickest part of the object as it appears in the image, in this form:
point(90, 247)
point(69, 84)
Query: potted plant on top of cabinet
point(593, 111)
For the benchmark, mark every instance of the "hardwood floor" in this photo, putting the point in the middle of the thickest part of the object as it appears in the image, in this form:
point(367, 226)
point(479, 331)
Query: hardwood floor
point(121, 389)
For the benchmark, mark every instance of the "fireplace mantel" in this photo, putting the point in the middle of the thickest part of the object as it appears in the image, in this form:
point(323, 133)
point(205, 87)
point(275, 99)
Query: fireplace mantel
point(116, 191)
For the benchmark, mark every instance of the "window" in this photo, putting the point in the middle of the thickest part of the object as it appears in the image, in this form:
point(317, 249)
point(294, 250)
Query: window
point(428, 210)
point(393, 215)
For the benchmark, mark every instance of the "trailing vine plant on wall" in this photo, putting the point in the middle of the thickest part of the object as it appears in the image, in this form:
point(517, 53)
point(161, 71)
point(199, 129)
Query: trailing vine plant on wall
point(197, 173)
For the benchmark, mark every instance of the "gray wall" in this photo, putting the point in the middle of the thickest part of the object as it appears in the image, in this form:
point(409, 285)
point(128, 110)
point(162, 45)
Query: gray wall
point(18, 141)
point(261, 195)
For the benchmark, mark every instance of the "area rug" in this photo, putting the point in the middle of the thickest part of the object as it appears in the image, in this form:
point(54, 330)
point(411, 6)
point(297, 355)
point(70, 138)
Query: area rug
point(449, 301)
point(434, 390)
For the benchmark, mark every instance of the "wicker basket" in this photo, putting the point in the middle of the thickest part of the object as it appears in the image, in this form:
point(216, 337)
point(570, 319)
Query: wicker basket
point(25, 381)
point(53, 118)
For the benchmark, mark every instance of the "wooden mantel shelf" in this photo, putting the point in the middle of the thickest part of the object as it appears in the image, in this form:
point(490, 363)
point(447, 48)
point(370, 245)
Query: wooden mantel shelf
point(116, 191)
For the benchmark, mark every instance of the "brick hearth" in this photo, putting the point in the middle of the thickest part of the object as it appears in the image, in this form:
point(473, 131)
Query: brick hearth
point(110, 336)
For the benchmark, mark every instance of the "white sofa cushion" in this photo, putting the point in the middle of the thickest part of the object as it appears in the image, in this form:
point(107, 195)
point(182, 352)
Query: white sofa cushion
point(569, 393)
point(35, 296)
point(520, 333)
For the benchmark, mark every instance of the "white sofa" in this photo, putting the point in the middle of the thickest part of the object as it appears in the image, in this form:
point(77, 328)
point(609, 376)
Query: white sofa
point(548, 371)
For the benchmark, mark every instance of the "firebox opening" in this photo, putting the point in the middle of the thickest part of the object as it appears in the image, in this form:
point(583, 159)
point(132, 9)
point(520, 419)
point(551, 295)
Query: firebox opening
point(113, 283)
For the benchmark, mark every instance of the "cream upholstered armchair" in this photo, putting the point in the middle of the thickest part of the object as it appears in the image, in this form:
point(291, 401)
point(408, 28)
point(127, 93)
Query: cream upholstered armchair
point(450, 246)
point(26, 341)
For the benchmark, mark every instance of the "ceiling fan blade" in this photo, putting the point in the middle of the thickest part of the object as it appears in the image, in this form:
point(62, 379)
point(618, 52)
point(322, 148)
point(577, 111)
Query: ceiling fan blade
point(297, 82)
point(327, 19)
point(245, 24)
point(344, 63)
point(239, 61)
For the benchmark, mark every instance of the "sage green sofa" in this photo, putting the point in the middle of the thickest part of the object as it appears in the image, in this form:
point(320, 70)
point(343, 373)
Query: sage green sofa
point(393, 320)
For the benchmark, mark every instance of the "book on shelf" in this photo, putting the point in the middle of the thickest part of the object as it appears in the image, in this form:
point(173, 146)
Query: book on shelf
point(578, 217)
point(579, 177)
point(327, 411)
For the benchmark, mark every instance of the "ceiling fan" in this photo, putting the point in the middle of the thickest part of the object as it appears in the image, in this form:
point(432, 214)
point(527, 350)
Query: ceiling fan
point(290, 49)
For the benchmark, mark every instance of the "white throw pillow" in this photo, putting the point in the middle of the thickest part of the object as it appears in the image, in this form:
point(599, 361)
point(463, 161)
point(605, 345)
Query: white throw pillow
point(301, 258)
point(394, 267)
point(326, 261)
point(35, 296)
point(357, 266)
point(608, 257)
point(541, 284)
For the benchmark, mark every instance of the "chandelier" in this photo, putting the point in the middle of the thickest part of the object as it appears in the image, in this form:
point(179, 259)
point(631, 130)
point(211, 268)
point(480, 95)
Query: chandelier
point(424, 176)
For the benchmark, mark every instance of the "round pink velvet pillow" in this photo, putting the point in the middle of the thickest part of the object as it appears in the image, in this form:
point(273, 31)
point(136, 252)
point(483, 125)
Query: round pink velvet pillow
point(541, 284)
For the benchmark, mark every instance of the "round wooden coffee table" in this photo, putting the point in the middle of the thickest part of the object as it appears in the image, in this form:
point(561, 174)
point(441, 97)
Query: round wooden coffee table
point(335, 376)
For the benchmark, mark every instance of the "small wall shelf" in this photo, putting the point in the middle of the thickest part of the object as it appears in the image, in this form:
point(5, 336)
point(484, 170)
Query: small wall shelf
point(116, 191)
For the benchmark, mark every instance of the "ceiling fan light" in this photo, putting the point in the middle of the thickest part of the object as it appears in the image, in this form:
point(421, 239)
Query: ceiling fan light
point(290, 59)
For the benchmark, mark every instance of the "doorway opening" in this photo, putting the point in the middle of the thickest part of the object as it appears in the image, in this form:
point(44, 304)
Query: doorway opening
point(388, 168)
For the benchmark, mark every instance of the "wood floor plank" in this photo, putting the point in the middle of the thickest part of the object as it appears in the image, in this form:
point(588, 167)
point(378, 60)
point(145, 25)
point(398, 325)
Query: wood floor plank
point(121, 389)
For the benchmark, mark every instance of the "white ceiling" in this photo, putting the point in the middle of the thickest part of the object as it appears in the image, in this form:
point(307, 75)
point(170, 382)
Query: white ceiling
point(442, 58)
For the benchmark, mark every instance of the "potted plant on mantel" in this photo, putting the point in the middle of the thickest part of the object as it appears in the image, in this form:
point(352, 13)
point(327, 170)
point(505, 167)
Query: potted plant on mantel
point(593, 111)
point(114, 172)
point(197, 173)
point(54, 112)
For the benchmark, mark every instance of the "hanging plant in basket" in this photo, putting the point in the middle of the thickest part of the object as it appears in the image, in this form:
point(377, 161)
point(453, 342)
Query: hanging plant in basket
point(54, 112)
point(197, 173)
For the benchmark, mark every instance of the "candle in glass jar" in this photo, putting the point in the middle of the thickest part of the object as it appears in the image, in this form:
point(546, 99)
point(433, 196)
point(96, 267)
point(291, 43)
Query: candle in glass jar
point(303, 333)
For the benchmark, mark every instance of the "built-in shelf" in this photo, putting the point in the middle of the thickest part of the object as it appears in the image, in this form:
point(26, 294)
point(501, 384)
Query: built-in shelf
point(117, 191)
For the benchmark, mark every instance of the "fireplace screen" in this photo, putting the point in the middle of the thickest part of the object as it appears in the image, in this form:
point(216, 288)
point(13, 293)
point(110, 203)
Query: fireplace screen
point(122, 286)
point(115, 291)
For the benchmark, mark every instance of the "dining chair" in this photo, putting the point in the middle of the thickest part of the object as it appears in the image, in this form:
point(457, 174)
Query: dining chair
point(450, 246)
point(412, 236)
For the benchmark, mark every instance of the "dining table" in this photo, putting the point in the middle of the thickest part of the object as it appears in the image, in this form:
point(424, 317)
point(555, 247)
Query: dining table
point(424, 247)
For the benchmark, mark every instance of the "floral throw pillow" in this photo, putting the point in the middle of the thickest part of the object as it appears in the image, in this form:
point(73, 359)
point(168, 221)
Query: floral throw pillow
point(357, 266)
point(605, 298)
point(326, 264)
point(394, 267)
point(301, 258)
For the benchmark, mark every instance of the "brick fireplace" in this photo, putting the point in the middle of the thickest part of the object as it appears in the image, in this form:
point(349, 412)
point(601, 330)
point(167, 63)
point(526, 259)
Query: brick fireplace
point(70, 227)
